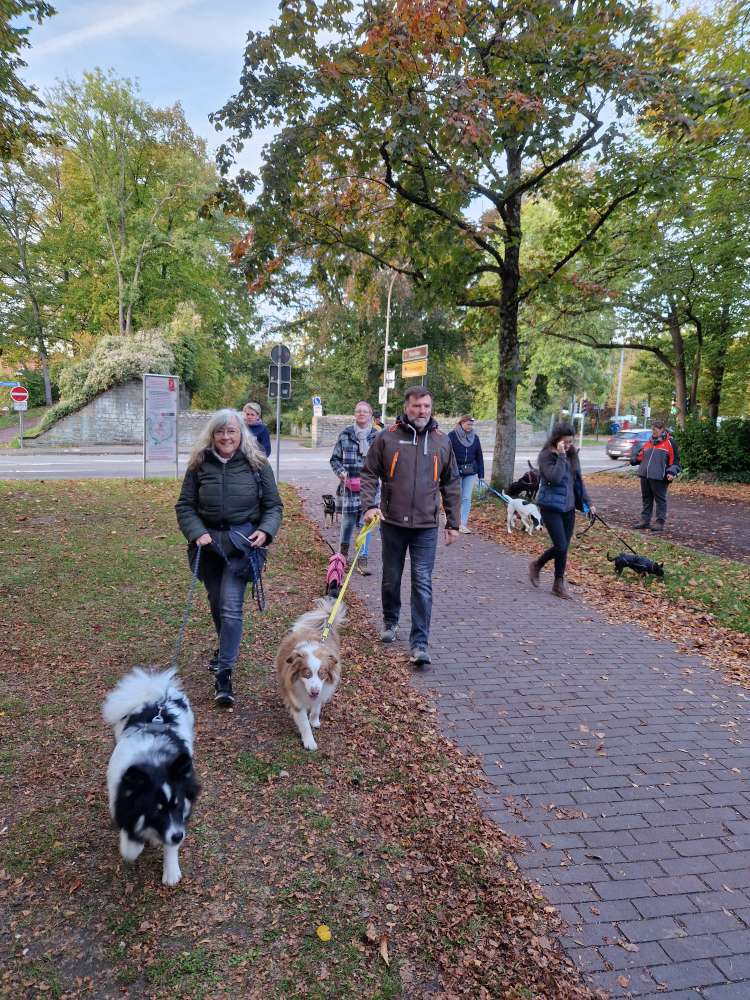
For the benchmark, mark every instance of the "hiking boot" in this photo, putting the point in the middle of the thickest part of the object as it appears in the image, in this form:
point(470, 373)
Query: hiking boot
point(344, 549)
point(535, 568)
point(419, 656)
point(213, 663)
point(362, 566)
point(559, 589)
point(642, 525)
point(388, 633)
point(223, 688)
point(657, 526)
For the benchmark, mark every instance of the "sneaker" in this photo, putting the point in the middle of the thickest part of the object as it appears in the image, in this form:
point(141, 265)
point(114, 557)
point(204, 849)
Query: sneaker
point(641, 526)
point(657, 526)
point(213, 663)
point(419, 656)
point(223, 689)
point(464, 530)
point(388, 633)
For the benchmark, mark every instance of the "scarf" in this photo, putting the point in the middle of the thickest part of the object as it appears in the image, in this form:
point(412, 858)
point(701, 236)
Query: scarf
point(467, 440)
point(362, 434)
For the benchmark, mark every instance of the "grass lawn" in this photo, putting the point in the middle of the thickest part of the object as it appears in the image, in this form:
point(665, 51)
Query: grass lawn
point(378, 837)
point(10, 419)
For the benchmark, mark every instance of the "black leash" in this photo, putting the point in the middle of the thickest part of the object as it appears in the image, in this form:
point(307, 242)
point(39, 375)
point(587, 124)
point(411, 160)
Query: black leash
point(185, 614)
point(598, 517)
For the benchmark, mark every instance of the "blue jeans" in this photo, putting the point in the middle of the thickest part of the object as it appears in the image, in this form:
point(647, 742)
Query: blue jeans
point(226, 595)
point(421, 544)
point(467, 487)
point(349, 521)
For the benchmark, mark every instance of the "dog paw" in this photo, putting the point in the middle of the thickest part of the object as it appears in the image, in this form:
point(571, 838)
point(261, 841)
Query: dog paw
point(129, 849)
point(171, 875)
point(310, 744)
point(315, 723)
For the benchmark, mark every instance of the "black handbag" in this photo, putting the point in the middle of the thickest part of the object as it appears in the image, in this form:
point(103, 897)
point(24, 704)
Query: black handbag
point(467, 469)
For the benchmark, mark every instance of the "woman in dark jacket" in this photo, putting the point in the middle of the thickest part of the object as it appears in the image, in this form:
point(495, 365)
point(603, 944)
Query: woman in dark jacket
point(468, 451)
point(561, 490)
point(229, 498)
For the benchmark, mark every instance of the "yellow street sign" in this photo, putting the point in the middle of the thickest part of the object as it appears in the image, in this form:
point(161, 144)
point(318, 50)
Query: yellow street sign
point(412, 368)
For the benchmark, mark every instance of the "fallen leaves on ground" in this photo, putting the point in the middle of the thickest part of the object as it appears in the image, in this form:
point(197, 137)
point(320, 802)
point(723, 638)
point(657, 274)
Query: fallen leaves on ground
point(378, 837)
point(680, 487)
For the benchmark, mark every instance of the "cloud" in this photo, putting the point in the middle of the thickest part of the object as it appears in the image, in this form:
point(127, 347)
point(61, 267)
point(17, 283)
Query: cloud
point(108, 24)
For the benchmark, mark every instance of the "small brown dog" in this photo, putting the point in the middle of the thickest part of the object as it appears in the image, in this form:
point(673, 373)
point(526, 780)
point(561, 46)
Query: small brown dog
point(308, 668)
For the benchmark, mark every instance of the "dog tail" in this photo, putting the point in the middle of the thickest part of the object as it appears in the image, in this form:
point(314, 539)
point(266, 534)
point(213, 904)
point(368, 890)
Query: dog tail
point(317, 618)
point(137, 688)
point(610, 558)
point(505, 496)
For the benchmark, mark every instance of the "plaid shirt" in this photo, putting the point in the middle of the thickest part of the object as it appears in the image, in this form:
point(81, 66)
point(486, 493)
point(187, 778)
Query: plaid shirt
point(346, 455)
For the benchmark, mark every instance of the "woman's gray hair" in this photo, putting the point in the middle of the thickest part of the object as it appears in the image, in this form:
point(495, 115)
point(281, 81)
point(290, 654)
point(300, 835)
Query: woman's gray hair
point(248, 445)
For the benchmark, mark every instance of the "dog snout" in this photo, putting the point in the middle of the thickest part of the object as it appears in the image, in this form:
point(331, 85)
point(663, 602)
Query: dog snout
point(314, 692)
point(176, 836)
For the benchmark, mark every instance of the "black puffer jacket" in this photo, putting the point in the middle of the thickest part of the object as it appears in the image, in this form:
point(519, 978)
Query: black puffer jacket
point(216, 495)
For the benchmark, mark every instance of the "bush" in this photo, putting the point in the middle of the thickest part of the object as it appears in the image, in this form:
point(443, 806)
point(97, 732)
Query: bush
point(722, 453)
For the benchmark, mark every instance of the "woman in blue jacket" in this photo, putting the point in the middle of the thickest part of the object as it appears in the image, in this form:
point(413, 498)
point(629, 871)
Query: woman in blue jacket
point(468, 451)
point(561, 490)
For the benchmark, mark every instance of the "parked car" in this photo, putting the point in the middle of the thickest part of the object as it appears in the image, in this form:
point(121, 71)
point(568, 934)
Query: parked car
point(621, 445)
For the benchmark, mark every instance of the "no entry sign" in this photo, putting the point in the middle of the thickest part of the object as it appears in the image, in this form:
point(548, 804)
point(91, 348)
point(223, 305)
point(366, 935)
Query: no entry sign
point(19, 394)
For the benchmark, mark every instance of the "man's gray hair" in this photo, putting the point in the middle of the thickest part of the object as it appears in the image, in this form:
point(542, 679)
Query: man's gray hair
point(417, 391)
point(205, 442)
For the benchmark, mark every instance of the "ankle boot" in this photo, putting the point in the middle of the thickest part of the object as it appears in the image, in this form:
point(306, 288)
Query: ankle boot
point(535, 568)
point(559, 589)
point(362, 566)
point(344, 549)
point(223, 688)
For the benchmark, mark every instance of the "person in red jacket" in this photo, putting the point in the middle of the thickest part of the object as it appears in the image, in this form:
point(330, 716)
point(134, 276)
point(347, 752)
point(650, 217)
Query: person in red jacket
point(658, 463)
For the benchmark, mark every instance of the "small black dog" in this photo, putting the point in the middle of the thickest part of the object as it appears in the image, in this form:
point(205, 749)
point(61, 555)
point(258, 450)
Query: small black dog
point(329, 508)
point(640, 564)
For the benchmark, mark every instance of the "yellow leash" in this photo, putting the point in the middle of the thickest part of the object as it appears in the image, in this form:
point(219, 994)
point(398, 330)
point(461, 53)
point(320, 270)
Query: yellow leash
point(359, 541)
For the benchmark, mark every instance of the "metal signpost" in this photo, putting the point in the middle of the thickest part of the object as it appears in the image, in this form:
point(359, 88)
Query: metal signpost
point(160, 406)
point(279, 387)
point(20, 396)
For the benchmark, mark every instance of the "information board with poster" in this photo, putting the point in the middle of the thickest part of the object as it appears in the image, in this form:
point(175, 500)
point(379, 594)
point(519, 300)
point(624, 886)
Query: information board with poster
point(161, 396)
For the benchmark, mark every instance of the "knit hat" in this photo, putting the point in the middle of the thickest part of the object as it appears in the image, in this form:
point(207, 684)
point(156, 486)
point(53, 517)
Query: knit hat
point(254, 406)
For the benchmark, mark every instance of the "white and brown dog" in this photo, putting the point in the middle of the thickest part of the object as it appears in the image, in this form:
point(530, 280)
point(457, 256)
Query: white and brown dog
point(308, 668)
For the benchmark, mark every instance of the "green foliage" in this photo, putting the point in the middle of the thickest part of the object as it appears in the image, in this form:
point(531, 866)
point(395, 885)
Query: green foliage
point(722, 453)
point(19, 105)
point(113, 361)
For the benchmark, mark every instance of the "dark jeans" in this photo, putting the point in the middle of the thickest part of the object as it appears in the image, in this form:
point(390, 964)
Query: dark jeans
point(653, 489)
point(421, 544)
point(226, 595)
point(560, 527)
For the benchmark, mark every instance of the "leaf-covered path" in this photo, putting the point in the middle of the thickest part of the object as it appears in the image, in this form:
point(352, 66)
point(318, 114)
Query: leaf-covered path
point(622, 761)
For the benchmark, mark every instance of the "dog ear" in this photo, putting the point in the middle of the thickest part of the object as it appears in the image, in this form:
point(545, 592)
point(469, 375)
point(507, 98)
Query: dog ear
point(134, 780)
point(180, 767)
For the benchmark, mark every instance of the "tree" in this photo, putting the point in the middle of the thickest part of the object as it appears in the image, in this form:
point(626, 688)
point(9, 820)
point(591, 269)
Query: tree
point(19, 105)
point(143, 176)
point(396, 118)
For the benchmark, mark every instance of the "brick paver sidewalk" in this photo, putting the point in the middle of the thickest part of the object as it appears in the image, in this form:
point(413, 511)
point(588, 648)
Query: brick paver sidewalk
point(621, 761)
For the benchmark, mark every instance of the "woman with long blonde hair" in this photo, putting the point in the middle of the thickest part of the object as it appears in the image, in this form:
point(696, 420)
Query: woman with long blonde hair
point(228, 498)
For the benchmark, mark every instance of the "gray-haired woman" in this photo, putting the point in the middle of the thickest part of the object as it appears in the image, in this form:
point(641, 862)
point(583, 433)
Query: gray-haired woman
point(228, 485)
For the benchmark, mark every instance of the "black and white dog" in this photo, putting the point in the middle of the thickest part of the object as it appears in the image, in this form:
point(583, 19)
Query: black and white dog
point(150, 778)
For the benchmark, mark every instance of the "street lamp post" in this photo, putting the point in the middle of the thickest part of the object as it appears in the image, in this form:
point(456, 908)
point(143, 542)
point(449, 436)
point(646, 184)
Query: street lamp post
point(385, 353)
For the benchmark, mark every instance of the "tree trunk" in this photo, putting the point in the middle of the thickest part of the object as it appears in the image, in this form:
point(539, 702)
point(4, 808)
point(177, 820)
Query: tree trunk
point(680, 374)
point(697, 362)
point(42, 347)
point(508, 353)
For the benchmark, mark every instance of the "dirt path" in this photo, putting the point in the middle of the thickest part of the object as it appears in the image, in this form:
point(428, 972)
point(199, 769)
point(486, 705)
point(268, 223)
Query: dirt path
point(720, 527)
point(8, 433)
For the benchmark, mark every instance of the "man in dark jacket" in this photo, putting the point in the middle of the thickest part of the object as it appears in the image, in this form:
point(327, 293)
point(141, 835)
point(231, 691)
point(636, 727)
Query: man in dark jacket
point(658, 463)
point(415, 464)
point(252, 414)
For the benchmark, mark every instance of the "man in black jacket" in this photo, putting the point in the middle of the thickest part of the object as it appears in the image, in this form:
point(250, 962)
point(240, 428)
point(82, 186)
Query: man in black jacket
point(415, 463)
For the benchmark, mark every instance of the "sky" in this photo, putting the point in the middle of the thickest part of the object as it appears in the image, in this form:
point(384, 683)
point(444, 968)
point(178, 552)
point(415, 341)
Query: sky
point(189, 51)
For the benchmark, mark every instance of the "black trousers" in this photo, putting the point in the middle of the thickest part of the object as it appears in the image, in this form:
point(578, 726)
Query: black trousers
point(653, 489)
point(560, 526)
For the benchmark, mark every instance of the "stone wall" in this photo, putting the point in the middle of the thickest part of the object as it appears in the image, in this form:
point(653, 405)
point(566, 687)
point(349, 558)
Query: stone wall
point(115, 417)
point(326, 429)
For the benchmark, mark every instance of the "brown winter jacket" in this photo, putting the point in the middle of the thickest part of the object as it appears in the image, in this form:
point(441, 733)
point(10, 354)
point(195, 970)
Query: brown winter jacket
point(415, 468)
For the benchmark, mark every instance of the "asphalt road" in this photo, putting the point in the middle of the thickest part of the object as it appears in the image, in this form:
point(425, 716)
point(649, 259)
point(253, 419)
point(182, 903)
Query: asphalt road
point(77, 464)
